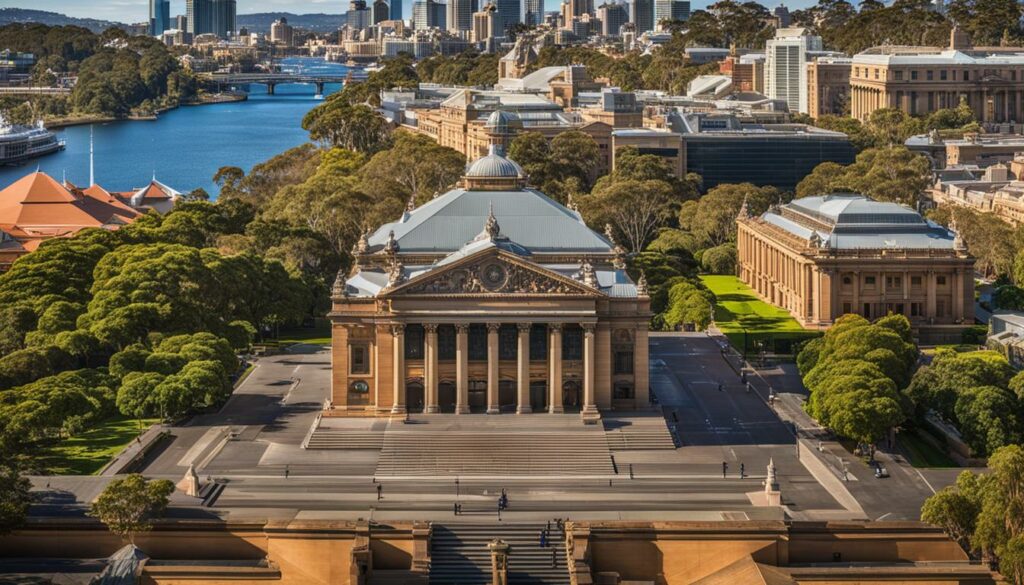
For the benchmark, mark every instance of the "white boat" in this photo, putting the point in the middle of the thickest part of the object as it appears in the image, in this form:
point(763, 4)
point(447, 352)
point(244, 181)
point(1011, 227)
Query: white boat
point(21, 143)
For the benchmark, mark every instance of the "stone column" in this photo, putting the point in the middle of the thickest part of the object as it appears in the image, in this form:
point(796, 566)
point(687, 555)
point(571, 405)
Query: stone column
point(958, 295)
point(398, 334)
point(492, 368)
point(461, 368)
point(523, 370)
point(555, 368)
point(930, 297)
point(430, 368)
point(589, 405)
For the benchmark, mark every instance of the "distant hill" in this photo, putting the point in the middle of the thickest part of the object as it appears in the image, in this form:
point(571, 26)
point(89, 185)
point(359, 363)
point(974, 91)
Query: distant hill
point(321, 23)
point(11, 15)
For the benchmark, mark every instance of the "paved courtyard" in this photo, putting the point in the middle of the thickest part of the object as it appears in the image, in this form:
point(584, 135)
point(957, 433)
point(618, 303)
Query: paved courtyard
point(253, 449)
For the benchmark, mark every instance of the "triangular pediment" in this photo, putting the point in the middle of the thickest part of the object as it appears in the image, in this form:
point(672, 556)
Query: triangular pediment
point(492, 272)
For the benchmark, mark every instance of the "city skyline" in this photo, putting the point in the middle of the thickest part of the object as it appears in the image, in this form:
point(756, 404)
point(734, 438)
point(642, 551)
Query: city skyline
point(138, 10)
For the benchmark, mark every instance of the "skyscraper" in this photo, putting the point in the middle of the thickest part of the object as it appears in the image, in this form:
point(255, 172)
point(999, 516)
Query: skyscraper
point(671, 10)
point(509, 14)
point(612, 17)
point(381, 11)
point(358, 15)
point(641, 13)
point(428, 14)
point(459, 15)
point(534, 12)
point(785, 67)
point(395, 9)
point(224, 17)
point(200, 16)
point(159, 16)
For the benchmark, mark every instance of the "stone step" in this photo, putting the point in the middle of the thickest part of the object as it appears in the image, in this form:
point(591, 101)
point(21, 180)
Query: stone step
point(653, 435)
point(460, 556)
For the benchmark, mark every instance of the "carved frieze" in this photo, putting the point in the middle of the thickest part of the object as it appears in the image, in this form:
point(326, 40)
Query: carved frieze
point(492, 275)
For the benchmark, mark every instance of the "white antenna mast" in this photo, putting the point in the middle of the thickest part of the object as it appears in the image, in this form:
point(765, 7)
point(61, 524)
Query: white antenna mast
point(92, 168)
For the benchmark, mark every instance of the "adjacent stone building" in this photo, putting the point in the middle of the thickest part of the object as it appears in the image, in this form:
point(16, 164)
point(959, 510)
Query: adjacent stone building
point(825, 256)
point(489, 298)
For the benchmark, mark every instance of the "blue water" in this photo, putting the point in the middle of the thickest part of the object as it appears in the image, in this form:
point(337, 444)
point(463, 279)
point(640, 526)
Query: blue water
point(186, 146)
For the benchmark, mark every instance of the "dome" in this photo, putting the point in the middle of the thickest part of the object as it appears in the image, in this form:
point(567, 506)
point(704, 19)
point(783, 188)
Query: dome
point(495, 165)
point(501, 121)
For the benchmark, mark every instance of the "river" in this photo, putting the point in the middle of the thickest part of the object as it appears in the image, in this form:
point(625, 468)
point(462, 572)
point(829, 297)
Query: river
point(185, 147)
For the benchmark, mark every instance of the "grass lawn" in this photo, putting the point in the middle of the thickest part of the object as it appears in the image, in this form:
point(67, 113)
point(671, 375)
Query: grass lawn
point(87, 453)
point(922, 453)
point(319, 335)
point(738, 308)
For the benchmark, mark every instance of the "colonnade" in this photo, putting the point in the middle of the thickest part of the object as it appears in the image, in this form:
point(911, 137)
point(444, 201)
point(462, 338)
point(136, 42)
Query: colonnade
point(554, 365)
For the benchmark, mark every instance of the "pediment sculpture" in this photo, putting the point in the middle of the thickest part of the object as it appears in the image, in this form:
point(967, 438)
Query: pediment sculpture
point(493, 275)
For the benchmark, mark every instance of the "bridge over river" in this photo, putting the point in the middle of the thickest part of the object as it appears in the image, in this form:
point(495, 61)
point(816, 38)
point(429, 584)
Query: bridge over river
point(272, 80)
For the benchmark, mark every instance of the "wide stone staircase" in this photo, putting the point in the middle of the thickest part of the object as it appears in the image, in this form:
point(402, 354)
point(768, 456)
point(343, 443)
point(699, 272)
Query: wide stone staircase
point(459, 554)
point(519, 452)
point(641, 434)
point(327, 438)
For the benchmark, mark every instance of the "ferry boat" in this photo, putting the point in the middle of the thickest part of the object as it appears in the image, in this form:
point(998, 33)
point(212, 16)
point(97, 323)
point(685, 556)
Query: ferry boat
point(21, 143)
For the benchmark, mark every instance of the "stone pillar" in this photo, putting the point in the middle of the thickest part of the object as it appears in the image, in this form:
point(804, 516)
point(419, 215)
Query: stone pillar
point(523, 370)
point(398, 335)
point(499, 562)
point(641, 368)
point(932, 293)
point(589, 404)
point(958, 295)
point(430, 368)
point(492, 368)
point(461, 368)
point(555, 368)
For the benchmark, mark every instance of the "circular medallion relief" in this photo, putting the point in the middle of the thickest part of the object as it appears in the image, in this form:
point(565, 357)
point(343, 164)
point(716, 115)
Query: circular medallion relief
point(359, 386)
point(493, 276)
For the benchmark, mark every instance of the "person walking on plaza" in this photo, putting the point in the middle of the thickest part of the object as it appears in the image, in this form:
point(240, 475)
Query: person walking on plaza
point(380, 488)
point(554, 558)
point(543, 539)
point(286, 472)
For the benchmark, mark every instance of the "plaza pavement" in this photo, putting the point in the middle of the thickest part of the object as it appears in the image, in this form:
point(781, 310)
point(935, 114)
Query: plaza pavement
point(247, 446)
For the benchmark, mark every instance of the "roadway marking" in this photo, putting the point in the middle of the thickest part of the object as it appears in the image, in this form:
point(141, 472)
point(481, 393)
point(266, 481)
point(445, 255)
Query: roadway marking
point(926, 482)
point(287, 395)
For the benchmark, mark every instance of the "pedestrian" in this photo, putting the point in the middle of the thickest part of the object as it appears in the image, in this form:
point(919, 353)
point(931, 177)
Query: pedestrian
point(380, 488)
point(554, 558)
point(547, 525)
point(742, 470)
point(455, 508)
point(719, 387)
point(286, 471)
point(725, 468)
point(543, 539)
point(630, 471)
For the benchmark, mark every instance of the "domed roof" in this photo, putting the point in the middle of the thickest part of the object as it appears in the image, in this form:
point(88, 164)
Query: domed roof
point(494, 165)
point(502, 120)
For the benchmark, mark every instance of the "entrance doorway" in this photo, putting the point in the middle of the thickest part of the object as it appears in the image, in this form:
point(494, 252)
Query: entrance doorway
point(571, 395)
point(414, 396)
point(446, 397)
point(539, 396)
point(477, 395)
point(507, 395)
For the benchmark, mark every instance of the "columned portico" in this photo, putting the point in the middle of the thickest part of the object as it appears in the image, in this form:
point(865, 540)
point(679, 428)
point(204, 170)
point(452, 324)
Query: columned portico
point(465, 315)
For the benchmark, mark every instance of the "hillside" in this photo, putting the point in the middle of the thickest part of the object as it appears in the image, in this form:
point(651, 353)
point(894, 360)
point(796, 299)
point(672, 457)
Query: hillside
point(321, 23)
point(11, 15)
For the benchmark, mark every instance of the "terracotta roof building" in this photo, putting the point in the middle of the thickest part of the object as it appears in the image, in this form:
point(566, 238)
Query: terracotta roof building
point(38, 207)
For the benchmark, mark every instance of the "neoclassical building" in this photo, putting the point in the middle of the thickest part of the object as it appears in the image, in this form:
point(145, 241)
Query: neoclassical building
point(490, 298)
point(825, 256)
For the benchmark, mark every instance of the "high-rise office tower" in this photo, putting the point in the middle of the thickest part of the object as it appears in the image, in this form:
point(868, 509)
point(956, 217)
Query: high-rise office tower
point(395, 9)
point(381, 11)
point(581, 7)
point(785, 66)
point(509, 14)
point(533, 12)
point(428, 14)
point(181, 22)
point(358, 15)
point(459, 15)
point(281, 33)
point(225, 13)
point(641, 13)
point(438, 14)
point(612, 17)
point(199, 14)
point(159, 16)
point(671, 10)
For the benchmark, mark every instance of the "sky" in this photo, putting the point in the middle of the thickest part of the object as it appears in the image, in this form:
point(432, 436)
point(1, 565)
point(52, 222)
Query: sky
point(138, 10)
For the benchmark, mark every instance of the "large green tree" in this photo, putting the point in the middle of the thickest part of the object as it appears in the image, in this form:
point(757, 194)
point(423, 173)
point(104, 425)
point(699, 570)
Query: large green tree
point(128, 505)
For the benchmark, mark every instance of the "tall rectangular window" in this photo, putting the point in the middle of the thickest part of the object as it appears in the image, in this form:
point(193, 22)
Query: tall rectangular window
point(358, 359)
point(623, 362)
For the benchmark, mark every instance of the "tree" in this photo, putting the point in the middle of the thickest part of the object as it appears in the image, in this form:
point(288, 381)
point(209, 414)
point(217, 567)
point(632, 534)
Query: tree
point(884, 174)
point(720, 259)
point(355, 127)
point(955, 509)
point(635, 209)
point(688, 302)
point(129, 505)
point(14, 498)
point(987, 418)
point(562, 168)
point(712, 219)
